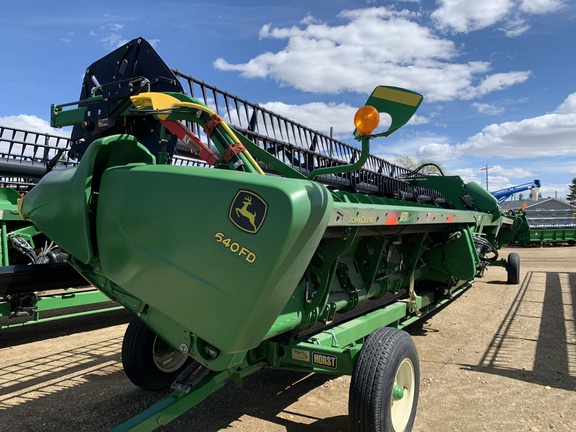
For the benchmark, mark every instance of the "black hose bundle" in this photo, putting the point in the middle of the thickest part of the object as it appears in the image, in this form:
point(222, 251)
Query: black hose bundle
point(483, 247)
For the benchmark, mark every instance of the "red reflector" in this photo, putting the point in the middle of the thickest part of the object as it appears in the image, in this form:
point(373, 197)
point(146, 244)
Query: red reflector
point(391, 218)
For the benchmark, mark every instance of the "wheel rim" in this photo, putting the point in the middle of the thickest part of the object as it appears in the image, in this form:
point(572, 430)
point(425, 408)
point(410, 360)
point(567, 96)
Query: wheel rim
point(165, 358)
point(402, 398)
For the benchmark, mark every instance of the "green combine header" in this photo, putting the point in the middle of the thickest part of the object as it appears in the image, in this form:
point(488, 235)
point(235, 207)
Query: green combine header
point(241, 240)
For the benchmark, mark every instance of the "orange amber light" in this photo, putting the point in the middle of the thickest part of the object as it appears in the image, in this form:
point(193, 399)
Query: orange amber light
point(366, 119)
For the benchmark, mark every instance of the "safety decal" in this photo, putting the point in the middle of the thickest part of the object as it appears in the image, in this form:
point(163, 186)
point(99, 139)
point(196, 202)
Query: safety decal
point(299, 354)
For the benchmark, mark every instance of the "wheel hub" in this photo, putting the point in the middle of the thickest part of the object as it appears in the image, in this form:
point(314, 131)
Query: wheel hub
point(165, 358)
point(397, 392)
point(402, 398)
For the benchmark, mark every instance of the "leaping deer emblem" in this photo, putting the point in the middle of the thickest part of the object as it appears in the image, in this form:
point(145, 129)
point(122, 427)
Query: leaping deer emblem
point(247, 201)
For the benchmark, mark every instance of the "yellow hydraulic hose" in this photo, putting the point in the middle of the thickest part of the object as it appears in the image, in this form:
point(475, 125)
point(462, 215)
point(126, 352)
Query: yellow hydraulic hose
point(161, 101)
point(226, 128)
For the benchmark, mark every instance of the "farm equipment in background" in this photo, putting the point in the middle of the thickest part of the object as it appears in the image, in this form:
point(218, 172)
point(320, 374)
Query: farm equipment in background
point(241, 240)
point(546, 226)
point(503, 194)
point(36, 284)
point(538, 225)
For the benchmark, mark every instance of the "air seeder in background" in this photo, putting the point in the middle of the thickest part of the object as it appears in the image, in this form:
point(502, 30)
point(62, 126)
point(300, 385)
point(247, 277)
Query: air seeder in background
point(264, 245)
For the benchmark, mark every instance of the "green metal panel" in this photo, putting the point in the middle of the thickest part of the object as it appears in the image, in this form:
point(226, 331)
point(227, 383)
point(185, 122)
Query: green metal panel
point(205, 252)
point(457, 193)
point(8, 204)
point(552, 235)
point(400, 103)
point(60, 206)
point(483, 199)
point(456, 258)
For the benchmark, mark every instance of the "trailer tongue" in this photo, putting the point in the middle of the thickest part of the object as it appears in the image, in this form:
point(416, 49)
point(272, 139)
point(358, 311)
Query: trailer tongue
point(260, 252)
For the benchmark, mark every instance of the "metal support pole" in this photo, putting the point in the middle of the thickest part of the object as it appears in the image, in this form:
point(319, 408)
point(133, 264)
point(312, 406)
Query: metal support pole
point(486, 168)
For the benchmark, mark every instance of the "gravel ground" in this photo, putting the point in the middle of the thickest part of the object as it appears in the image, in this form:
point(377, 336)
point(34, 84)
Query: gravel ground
point(500, 358)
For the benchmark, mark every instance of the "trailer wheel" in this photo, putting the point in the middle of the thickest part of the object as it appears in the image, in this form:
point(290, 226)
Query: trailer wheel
point(149, 362)
point(385, 383)
point(513, 268)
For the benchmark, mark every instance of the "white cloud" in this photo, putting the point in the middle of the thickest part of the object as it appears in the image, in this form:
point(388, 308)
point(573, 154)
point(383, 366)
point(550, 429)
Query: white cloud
point(489, 109)
point(109, 34)
point(318, 115)
point(568, 106)
point(309, 19)
point(515, 27)
point(437, 152)
point(114, 27)
point(464, 16)
point(510, 172)
point(541, 6)
point(416, 120)
point(554, 190)
point(411, 145)
point(497, 182)
point(548, 135)
point(371, 43)
point(154, 42)
point(498, 177)
point(468, 174)
point(113, 41)
point(499, 81)
point(31, 123)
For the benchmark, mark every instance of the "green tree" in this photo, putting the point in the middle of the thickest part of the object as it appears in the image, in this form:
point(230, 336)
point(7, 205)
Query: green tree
point(571, 197)
point(428, 167)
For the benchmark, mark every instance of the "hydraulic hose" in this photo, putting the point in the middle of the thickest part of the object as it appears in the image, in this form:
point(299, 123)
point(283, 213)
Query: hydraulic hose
point(229, 131)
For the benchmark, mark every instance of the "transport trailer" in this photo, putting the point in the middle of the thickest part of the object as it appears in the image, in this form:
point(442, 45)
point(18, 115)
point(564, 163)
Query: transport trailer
point(269, 245)
point(545, 227)
point(550, 226)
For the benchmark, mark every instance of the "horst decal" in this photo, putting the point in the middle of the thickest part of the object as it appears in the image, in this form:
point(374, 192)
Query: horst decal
point(324, 360)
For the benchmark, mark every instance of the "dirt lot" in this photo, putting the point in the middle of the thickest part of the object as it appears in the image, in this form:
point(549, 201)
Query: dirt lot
point(500, 358)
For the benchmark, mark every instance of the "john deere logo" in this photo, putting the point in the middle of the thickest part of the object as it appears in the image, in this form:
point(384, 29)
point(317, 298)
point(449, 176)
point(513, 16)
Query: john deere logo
point(248, 211)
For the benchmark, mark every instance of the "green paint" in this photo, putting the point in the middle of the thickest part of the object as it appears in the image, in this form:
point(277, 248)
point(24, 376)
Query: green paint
point(397, 393)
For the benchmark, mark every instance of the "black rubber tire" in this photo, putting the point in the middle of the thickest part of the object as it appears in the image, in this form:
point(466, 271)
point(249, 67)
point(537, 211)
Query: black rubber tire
point(513, 268)
point(387, 355)
point(140, 349)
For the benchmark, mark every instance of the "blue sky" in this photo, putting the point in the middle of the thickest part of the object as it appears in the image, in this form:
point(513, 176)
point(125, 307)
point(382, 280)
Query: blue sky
point(498, 76)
